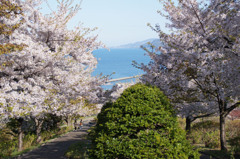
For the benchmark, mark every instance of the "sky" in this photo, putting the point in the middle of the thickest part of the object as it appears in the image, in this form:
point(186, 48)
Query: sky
point(118, 21)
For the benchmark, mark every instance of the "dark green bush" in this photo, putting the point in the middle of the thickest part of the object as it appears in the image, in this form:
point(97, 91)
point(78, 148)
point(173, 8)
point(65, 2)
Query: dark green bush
point(140, 124)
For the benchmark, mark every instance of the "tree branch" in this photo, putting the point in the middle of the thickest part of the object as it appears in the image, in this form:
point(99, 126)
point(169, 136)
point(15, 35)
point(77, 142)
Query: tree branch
point(232, 107)
point(202, 116)
point(198, 18)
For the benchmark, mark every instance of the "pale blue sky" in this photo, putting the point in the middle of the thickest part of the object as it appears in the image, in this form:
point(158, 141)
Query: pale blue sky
point(119, 21)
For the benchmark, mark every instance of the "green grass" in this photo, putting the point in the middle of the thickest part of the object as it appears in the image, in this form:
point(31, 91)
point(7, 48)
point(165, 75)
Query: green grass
point(18, 153)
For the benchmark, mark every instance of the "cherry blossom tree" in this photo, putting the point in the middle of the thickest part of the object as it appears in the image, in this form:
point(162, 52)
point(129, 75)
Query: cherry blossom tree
point(198, 64)
point(54, 58)
point(183, 95)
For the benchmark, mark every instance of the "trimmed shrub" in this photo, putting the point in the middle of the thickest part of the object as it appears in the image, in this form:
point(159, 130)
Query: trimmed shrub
point(140, 124)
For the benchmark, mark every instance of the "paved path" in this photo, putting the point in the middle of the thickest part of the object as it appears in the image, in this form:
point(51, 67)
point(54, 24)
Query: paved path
point(57, 147)
point(203, 156)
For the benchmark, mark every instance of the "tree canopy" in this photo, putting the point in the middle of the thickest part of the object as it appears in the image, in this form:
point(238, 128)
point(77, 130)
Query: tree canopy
point(9, 11)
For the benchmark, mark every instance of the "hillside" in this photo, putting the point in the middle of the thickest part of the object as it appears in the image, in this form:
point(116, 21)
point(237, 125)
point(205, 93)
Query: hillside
point(138, 44)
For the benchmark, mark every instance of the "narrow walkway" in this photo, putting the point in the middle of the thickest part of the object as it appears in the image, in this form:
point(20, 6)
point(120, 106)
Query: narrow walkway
point(57, 147)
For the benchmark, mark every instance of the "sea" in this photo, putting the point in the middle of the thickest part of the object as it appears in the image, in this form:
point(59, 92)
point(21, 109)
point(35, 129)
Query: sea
point(119, 63)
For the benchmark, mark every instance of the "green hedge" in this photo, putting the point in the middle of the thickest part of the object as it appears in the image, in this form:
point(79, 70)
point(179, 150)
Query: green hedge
point(140, 124)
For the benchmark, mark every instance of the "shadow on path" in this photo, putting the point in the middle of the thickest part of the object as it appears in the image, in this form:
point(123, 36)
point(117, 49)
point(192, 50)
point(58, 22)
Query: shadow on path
point(204, 156)
point(56, 148)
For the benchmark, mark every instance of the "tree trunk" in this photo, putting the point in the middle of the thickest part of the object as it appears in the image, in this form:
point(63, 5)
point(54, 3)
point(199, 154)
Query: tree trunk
point(223, 132)
point(188, 125)
point(20, 141)
point(20, 135)
point(68, 120)
point(38, 123)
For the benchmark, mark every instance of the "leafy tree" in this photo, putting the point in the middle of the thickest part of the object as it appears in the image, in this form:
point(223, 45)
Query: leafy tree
point(140, 124)
point(198, 64)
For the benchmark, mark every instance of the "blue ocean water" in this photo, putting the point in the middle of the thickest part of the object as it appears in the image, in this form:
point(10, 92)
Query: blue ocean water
point(119, 62)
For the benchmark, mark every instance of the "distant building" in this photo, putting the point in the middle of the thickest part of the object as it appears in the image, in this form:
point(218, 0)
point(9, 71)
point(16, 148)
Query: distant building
point(234, 114)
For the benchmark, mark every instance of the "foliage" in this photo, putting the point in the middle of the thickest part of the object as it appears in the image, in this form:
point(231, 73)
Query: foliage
point(29, 140)
point(211, 139)
point(182, 122)
point(140, 124)
point(8, 142)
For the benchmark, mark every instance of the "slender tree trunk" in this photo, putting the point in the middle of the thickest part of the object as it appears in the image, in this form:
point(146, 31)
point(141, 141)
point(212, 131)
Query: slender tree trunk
point(188, 125)
point(20, 135)
point(20, 140)
point(223, 132)
point(38, 123)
